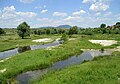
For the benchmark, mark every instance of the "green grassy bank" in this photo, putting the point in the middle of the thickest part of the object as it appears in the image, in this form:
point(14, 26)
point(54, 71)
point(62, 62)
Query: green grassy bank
point(102, 70)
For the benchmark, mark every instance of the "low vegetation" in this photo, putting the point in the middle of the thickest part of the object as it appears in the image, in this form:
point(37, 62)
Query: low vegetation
point(2, 31)
point(37, 59)
point(10, 41)
point(102, 70)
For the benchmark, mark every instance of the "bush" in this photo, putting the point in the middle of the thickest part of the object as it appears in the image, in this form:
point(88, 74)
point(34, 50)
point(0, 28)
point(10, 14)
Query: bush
point(2, 31)
point(73, 30)
point(64, 37)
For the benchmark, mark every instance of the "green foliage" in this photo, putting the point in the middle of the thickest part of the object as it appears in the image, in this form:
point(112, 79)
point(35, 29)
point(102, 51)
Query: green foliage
point(12, 41)
point(102, 70)
point(118, 24)
point(73, 30)
point(87, 31)
point(23, 30)
point(102, 25)
point(2, 31)
point(35, 32)
point(38, 59)
point(64, 37)
point(61, 31)
point(48, 31)
point(39, 32)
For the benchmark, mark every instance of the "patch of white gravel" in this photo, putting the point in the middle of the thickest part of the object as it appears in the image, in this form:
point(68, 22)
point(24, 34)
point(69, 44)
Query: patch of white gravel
point(4, 59)
point(42, 40)
point(104, 42)
point(3, 70)
point(71, 39)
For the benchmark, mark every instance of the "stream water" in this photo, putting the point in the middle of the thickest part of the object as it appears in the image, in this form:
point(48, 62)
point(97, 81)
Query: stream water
point(25, 78)
point(13, 52)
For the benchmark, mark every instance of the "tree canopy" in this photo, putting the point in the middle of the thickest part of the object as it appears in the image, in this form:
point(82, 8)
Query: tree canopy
point(102, 25)
point(73, 30)
point(2, 31)
point(23, 30)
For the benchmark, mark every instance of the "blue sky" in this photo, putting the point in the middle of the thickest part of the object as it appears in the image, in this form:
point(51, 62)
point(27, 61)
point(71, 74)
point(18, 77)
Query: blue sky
point(37, 13)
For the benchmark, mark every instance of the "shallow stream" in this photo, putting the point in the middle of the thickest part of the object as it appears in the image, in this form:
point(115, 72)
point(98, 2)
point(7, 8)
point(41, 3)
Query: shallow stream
point(88, 55)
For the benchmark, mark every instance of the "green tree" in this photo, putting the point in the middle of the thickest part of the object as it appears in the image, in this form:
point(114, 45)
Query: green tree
point(35, 31)
point(73, 30)
point(39, 32)
point(118, 24)
point(47, 31)
point(61, 31)
point(64, 37)
point(102, 25)
point(2, 31)
point(23, 30)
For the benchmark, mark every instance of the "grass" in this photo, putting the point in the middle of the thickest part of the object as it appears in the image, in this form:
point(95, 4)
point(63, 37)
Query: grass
point(102, 70)
point(12, 41)
point(38, 59)
point(105, 37)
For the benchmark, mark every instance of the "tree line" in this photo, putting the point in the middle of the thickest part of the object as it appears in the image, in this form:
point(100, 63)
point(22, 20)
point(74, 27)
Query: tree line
point(23, 30)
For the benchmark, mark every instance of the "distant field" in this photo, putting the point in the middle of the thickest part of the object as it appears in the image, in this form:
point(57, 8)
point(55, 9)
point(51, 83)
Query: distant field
point(13, 40)
point(102, 70)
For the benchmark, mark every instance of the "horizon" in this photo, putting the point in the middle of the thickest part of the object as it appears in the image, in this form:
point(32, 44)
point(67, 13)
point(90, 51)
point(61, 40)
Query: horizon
point(42, 13)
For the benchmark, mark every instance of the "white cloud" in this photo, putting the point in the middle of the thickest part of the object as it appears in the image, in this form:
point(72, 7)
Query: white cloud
point(26, 14)
point(99, 7)
point(10, 17)
point(60, 14)
point(9, 9)
point(40, 7)
point(74, 19)
point(88, 1)
point(26, 1)
point(98, 14)
point(44, 11)
point(79, 13)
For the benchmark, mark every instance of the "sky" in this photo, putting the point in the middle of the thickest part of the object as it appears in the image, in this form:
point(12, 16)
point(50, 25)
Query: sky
point(41, 13)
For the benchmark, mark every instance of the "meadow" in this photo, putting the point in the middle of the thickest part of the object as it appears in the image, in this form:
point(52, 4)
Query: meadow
point(102, 70)
point(42, 58)
point(11, 41)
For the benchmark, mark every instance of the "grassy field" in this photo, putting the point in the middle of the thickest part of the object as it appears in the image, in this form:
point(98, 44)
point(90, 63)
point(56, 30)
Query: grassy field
point(11, 41)
point(42, 58)
point(102, 70)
